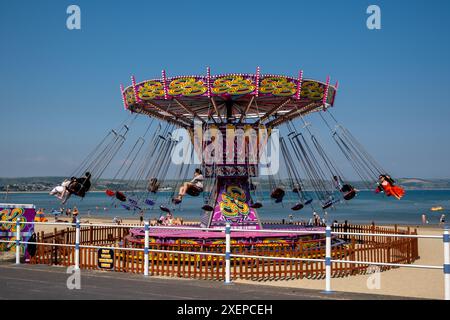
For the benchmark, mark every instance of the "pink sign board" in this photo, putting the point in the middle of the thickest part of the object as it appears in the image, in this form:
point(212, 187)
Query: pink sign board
point(233, 206)
point(10, 212)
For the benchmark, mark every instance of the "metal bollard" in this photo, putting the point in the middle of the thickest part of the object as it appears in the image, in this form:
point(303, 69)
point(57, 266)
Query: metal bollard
point(446, 238)
point(328, 259)
point(18, 241)
point(227, 253)
point(146, 245)
point(77, 245)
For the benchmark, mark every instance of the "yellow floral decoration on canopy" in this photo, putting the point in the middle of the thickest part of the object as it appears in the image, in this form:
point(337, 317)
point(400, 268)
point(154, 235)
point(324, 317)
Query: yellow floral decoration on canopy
point(233, 85)
point(312, 90)
point(278, 86)
point(188, 87)
point(150, 90)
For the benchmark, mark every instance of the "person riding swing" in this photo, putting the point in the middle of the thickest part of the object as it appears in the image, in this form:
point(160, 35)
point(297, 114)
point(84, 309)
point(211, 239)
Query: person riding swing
point(153, 185)
point(61, 191)
point(297, 189)
point(387, 185)
point(278, 194)
point(80, 186)
point(349, 192)
point(192, 188)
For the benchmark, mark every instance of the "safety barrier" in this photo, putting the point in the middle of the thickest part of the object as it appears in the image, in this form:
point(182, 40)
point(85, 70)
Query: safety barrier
point(74, 247)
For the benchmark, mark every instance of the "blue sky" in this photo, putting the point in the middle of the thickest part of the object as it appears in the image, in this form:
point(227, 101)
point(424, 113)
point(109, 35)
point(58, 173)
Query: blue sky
point(59, 89)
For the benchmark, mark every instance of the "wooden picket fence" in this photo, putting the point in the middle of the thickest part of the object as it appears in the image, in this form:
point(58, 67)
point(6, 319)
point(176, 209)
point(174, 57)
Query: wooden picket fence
point(210, 267)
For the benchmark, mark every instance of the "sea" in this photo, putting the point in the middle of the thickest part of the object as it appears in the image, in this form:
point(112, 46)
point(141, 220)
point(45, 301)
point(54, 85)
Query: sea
point(366, 207)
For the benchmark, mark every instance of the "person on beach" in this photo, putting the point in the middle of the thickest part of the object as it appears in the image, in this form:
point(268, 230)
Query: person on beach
point(424, 218)
point(178, 221)
point(40, 216)
point(196, 184)
point(117, 220)
point(316, 219)
point(442, 219)
point(75, 213)
point(169, 219)
point(56, 213)
point(291, 219)
point(161, 219)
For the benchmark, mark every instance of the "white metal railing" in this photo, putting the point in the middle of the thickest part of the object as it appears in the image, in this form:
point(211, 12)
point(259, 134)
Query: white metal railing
point(228, 255)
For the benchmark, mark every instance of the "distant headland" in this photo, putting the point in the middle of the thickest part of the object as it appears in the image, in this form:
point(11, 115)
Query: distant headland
point(45, 184)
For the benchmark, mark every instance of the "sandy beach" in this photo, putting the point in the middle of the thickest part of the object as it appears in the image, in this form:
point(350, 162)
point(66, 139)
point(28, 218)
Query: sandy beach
point(406, 282)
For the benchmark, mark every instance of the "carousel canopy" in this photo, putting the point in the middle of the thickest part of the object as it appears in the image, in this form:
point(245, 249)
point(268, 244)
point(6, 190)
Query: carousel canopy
point(228, 98)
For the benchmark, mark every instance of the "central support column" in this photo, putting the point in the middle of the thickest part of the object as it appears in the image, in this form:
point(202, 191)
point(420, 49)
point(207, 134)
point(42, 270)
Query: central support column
point(229, 105)
point(231, 195)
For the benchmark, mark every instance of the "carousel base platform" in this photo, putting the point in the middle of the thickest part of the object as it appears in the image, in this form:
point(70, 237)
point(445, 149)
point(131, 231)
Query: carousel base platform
point(188, 236)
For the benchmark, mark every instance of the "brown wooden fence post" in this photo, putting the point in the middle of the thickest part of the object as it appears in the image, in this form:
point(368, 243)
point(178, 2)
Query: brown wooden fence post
point(91, 234)
point(388, 255)
point(352, 254)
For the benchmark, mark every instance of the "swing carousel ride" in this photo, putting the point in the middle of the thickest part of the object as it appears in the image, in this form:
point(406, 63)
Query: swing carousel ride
point(208, 107)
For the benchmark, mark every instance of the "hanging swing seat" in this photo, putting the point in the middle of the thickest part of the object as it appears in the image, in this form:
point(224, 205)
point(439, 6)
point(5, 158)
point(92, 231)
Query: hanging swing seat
point(309, 201)
point(127, 207)
point(176, 200)
point(133, 202)
point(165, 209)
point(256, 205)
point(278, 194)
point(298, 206)
point(120, 196)
point(110, 193)
point(194, 191)
point(207, 207)
point(330, 203)
point(348, 191)
point(327, 204)
point(149, 202)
